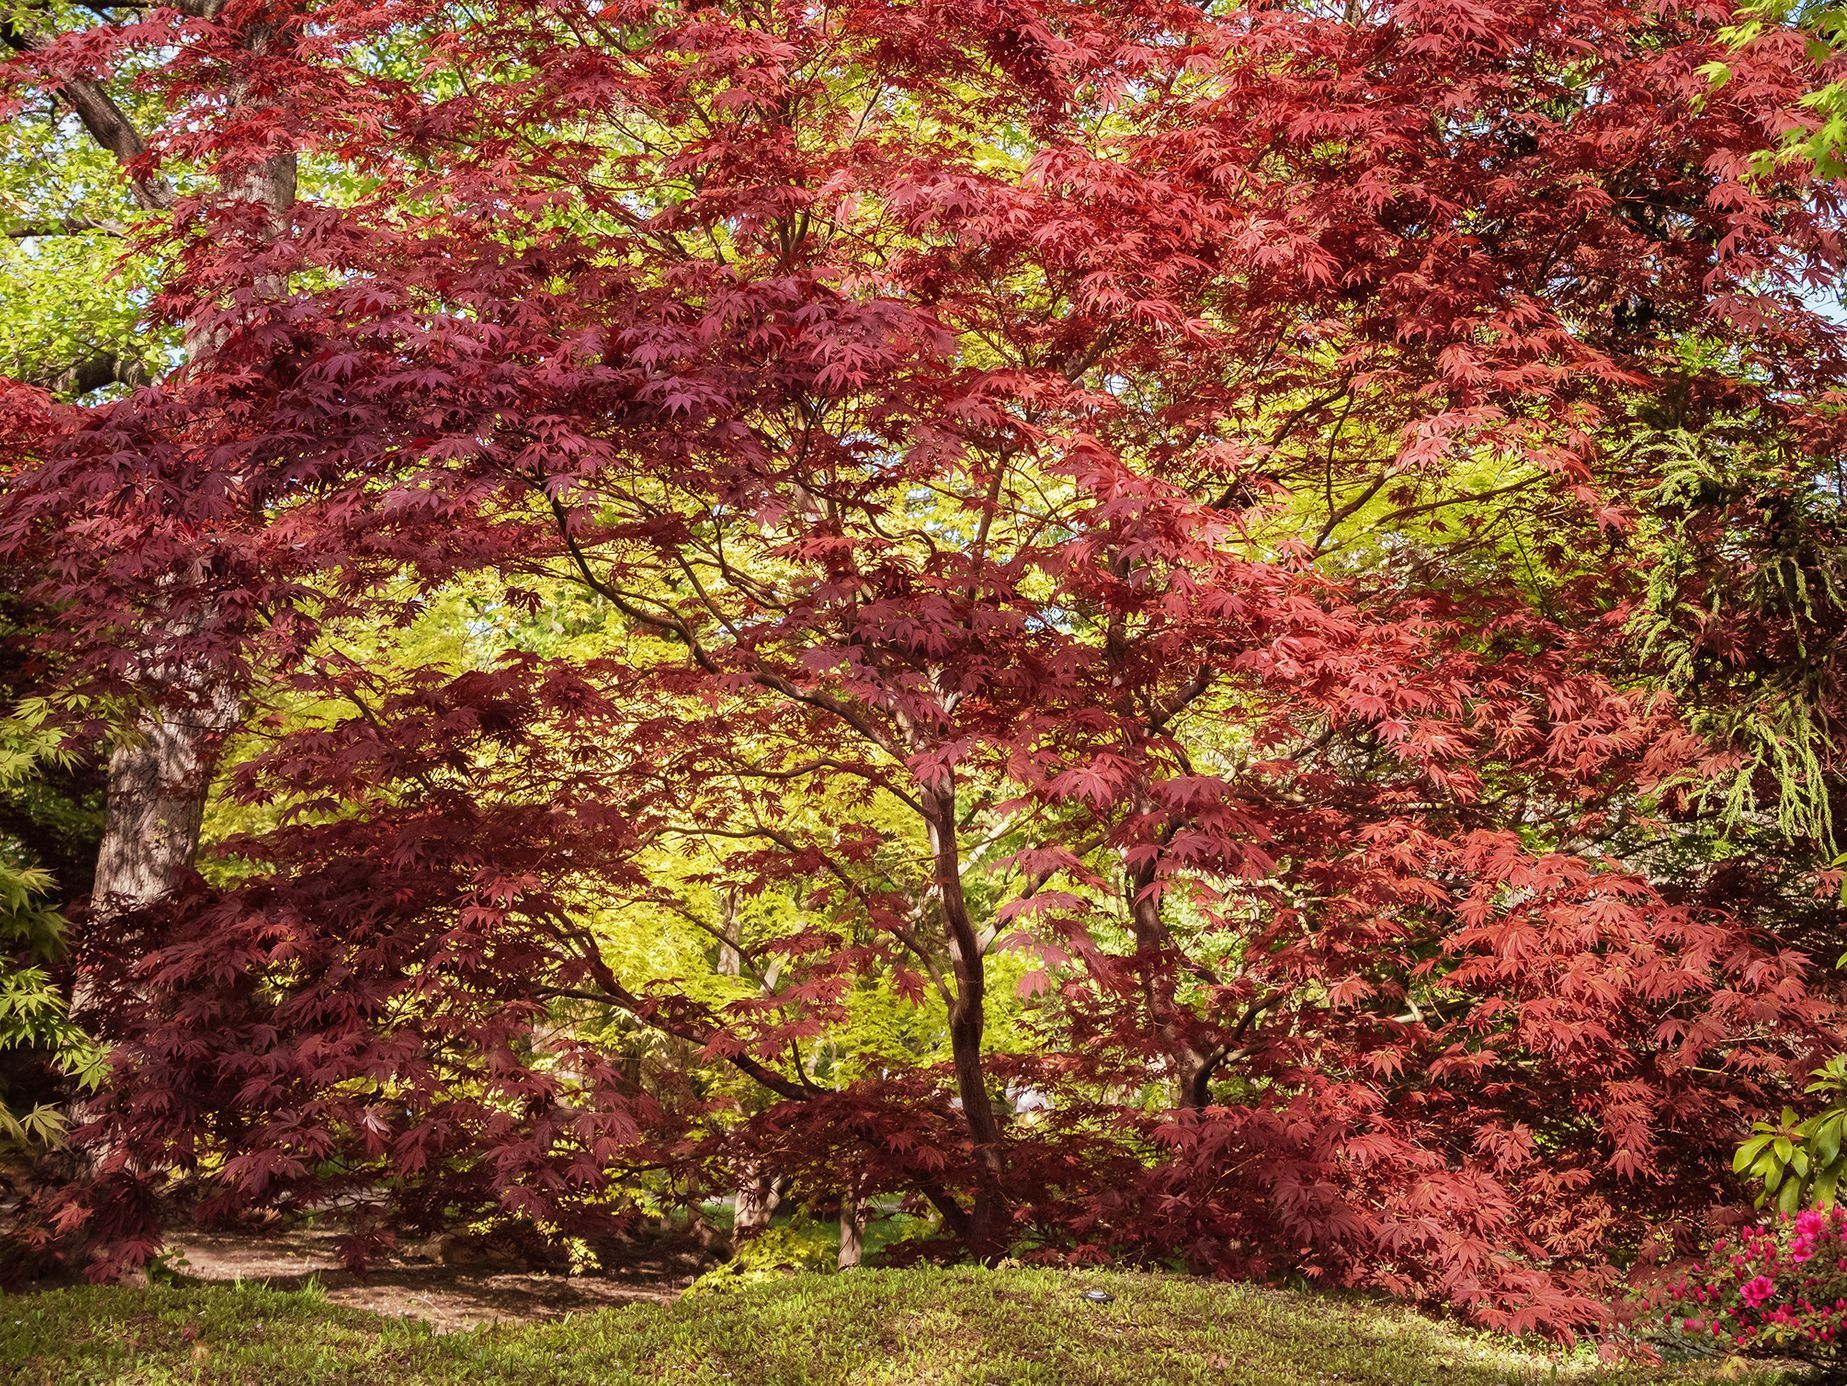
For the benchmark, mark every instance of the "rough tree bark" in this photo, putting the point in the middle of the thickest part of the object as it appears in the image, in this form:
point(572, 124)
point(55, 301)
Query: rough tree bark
point(758, 1198)
point(852, 1227)
point(159, 777)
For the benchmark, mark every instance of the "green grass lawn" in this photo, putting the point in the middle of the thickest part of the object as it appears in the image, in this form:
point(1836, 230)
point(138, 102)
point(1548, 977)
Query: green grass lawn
point(869, 1327)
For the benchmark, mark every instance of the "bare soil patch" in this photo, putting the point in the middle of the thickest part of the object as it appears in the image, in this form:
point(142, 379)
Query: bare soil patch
point(422, 1285)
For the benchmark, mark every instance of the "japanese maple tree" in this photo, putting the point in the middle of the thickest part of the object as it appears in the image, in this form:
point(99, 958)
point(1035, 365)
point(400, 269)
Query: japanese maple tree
point(1145, 504)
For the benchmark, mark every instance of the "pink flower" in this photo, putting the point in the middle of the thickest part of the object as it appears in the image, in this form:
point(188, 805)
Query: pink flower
point(1755, 1292)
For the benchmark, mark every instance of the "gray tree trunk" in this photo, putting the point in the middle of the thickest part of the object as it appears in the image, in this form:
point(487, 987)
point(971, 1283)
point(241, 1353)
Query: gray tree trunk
point(161, 773)
point(757, 1194)
point(158, 780)
point(852, 1227)
point(758, 1198)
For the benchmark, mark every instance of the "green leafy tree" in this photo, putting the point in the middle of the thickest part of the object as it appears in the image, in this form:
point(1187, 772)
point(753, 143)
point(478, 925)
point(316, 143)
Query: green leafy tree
point(1824, 25)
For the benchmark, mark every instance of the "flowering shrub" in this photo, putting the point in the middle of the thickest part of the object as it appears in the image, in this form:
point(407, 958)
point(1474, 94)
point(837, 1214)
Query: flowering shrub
point(1778, 1290)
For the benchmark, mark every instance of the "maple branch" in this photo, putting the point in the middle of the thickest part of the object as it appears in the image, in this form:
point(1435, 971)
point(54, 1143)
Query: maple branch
point(1232, 1046)
point(705, 598)
point(746, 1065)
point(573, 935)
point(955, 1217)
point(93, 372)
point(990, 507)
point(106, 121)
point(197, 9)
point(967, 1017)
point(1469, 498)
point(747, 957)
point(1339, 513)
point(879, 919)
point(1283, 430)
point(1181, 699)
point(65, 226)
point(760, 593)
point(867, 773)
point(757, 672)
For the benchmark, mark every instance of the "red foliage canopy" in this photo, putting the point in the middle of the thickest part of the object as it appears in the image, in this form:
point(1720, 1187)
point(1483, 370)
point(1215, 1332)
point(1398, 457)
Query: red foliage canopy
point(1156, 476)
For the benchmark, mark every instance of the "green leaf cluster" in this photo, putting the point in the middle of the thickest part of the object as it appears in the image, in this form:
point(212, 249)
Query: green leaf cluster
point(34, 1014)
point(1823, 145)
point(1798, 1161)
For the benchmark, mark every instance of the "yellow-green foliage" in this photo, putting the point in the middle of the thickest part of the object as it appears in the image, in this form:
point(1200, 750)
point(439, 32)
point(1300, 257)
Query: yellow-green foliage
point(671, 932)
point(1824, 143)
point(33, 1013)
point(1779, 725)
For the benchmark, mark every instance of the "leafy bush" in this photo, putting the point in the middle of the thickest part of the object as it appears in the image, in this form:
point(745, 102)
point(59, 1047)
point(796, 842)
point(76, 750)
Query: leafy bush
point(1799, 1161)
point(779, 1250)
point(1778, 1290)
point(33, 1013)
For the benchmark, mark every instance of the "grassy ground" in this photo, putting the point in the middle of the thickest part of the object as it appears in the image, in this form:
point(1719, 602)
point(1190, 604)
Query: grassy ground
point(868, 1328)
